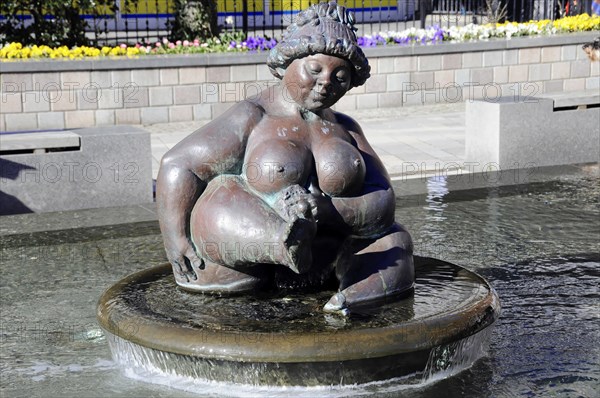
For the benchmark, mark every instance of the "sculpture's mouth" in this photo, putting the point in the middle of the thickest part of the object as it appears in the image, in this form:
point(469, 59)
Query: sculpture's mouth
point(319, 95)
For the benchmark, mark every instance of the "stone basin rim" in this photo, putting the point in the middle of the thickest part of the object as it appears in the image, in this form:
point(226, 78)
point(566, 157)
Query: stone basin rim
point(396, 339)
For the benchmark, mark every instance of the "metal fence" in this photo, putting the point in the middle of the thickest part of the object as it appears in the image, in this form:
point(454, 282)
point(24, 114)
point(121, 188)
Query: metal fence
point(149, 20)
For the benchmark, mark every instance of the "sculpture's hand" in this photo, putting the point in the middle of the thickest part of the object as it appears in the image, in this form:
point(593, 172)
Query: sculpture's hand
point(295, 202)
point(183, 258)
point(297, 207)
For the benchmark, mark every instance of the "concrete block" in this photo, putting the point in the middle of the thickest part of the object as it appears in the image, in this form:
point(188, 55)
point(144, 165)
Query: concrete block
point(405, 64)
point(423, 80)
point(186, 94)
point(518, 73)
point(76, 79)
point(46, 81)
point(451, 61)
point(243, 73)
point(121, 77)
point(568, 53)
point(472, 60)
point(553, 86)
point(65, 101)
point(41, 142)
point(385, 65)
point(376, 84)
point(182, 113)
point(127, 116)
point(145, 77)
point(510, 57)
point(430, 63)
point(87, 98)
point(580, 68)
point(346, 104)
point(594, 68)
point(551, 54)
point(390, 100)
point(231, 92)
point(155, 115)
point(561, 70)
point(169, 77)
point(367, 101)
point(111, 167)
point(531, 133)
point(592, 83)
point(51, 120)
point(443, 78)
point(217, 74)
point(105, 117)
point(462, 76)
point(263, 73)
point(35, 102)
point(77, 119)
point(16, 82)
point(539, 72)
point(209, 93)
point(11, 102)
point(135, 96)
point(161, 96)
point(194, 75)
point(482, 76)
point(529, 55)
point(374, 67)
point(110, 98)
point(102, 79)
point(202, 112)
point(574, 84)
point(501, 74)
point(20, 122)
point(492, 58)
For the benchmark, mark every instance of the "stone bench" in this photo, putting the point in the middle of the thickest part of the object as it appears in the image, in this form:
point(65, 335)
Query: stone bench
point(70, 170)
point(514, 133)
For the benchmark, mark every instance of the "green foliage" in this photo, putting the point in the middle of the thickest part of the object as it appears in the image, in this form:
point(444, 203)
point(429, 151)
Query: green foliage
point(64, 27)
point(194, 19)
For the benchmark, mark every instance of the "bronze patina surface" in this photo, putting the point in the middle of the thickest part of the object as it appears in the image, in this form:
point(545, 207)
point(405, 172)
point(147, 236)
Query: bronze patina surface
point(285, 333)
point(281, 181)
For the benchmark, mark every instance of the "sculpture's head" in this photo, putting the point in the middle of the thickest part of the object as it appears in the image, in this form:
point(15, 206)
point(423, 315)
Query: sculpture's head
point(324, 28)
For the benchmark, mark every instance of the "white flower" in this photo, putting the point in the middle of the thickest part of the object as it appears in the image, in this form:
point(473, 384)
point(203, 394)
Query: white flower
point(229, 20)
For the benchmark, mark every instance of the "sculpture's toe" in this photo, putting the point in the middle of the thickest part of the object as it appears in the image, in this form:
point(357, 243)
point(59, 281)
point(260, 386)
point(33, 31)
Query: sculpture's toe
point(336, 303)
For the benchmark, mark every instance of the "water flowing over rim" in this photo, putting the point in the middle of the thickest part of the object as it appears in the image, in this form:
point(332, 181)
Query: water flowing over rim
point(464, 320)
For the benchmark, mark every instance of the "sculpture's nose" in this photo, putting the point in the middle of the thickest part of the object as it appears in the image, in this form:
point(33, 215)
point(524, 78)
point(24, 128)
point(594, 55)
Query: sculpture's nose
point(323, 84)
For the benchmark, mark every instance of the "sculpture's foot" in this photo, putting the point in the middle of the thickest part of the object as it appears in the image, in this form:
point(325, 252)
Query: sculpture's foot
point(373, 270)
point(297, 245)
point(219, 279)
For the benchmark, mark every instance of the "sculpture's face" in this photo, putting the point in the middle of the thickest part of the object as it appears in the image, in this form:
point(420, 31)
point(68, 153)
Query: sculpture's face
point(317, 81)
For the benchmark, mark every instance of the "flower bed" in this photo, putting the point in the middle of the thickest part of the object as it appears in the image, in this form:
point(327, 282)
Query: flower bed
point(235, 43)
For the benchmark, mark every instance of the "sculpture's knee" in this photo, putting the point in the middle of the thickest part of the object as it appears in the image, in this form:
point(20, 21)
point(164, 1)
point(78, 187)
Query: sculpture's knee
point(400, 237)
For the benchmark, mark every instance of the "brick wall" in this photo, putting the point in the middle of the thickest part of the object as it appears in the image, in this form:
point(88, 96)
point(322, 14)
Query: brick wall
point(46, 95)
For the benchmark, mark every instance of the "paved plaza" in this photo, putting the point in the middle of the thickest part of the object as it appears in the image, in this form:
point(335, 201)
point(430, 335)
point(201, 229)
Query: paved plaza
point(411, 141)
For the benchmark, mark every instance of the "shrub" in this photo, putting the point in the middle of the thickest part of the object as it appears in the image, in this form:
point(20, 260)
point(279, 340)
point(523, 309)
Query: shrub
point(194, 19)
point(55, 22)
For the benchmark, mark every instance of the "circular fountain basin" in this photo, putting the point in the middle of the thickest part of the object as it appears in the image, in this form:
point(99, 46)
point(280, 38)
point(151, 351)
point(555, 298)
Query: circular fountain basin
point(287, 340)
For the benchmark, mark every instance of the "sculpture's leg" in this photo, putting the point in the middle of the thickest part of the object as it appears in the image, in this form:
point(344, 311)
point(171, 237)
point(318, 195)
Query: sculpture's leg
point(373, 269)
point(232, 228)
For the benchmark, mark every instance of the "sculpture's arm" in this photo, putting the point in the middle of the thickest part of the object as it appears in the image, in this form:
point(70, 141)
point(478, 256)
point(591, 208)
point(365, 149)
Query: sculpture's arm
point(371, 212)
point(215, 149)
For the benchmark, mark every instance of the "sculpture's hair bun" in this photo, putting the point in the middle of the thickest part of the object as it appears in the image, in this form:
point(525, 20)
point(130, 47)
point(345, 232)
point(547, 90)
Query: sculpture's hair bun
point(324, 28)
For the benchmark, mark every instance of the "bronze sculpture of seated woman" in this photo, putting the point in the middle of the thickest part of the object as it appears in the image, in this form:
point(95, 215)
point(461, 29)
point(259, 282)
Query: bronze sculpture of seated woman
point(281, 182)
